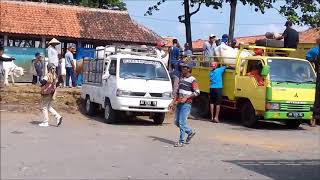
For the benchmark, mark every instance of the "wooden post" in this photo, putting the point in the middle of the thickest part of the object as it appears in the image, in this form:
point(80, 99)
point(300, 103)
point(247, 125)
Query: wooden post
point(5, 40)
point(233, 5)
point(43, 42)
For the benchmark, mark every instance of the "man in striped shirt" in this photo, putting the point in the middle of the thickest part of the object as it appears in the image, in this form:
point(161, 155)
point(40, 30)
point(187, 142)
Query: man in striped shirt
point(188, 89)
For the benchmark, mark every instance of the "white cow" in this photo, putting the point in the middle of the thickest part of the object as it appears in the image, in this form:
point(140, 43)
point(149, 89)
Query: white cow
point(12, 70)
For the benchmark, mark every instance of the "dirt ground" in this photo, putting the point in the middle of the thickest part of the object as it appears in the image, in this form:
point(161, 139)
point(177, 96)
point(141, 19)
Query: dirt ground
point(28, 98)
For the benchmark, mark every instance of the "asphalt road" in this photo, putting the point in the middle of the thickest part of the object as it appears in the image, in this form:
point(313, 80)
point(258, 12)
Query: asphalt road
point(86, 147)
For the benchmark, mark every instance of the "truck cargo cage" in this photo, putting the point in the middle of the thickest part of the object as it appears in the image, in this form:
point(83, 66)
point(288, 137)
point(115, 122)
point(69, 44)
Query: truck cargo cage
point(92, 71)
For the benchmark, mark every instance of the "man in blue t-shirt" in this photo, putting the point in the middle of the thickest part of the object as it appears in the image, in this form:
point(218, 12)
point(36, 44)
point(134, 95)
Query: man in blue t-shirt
point(174, 55)
point(215, 76)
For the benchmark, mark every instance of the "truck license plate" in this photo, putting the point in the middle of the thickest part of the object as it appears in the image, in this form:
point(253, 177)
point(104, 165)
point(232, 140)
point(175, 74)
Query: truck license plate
point(295, 114)
point(148, 103)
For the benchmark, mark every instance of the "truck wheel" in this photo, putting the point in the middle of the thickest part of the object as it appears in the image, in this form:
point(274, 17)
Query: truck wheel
point(293, 124)
point(90, 107)
point(158, 118)
point(248, 115)
point(110, 115)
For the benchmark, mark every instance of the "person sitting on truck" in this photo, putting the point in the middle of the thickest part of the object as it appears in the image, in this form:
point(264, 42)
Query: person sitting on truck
point(187, 90)
point(215, 76)
point(256, 73)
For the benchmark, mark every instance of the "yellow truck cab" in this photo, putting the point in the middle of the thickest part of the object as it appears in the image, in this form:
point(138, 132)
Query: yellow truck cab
point(287, 93)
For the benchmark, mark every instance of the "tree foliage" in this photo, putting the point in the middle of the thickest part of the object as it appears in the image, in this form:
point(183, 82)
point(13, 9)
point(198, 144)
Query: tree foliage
point(104, 4)
point(302, 12)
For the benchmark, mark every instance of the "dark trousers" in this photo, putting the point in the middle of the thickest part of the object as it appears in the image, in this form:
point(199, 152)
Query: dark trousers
point(70, 73)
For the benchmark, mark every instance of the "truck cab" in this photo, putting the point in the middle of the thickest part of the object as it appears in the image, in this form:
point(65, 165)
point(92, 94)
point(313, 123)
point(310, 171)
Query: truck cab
point(127, 84)
point(272, 88)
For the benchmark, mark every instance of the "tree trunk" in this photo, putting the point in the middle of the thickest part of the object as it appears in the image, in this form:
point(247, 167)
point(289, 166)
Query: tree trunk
point(187, 23)
point(233, 5)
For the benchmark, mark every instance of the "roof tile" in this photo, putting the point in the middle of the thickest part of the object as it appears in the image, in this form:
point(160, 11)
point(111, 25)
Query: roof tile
point(72, 21)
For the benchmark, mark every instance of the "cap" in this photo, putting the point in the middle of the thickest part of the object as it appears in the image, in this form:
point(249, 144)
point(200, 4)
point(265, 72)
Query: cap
point(213, 64)
point(225, 36)
point(188, 65)
point(37, 54)
point(160, 44)
point(288, 23)
point(54, 41)
point(212, 36)
point(51, 66)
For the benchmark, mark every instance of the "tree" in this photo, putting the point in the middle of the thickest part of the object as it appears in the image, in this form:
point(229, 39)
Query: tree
point(301, 12)
point(104, 4)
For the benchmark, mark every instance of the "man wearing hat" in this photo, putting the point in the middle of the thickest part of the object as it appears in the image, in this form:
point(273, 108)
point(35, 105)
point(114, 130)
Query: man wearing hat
point(37, 68)
point(290, 36)
point(70, 67)
point(187, 90)
point(53, 57)
point(208, 48)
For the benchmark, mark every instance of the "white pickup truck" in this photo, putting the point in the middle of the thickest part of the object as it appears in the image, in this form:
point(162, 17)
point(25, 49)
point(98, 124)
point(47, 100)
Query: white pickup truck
point(129, 84)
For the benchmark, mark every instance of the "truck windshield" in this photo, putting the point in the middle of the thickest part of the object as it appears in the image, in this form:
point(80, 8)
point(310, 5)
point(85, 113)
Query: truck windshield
point(288, 70)
point(142, 69)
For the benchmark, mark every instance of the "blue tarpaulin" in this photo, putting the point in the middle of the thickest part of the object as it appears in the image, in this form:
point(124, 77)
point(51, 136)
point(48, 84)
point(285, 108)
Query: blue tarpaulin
point(84, 52)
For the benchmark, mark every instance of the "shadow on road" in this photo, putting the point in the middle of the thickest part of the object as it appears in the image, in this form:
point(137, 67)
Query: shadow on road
point(163, 140)
point(231, 118)
point(123, 120)
point(35, 122)
point(282, 169)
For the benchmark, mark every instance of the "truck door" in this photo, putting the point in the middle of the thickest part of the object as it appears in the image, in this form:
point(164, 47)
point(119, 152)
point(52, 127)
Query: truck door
point(251, 85)
point(110, 85)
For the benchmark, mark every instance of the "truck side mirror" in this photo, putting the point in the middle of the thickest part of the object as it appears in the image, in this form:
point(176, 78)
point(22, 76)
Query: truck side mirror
point(265, 70)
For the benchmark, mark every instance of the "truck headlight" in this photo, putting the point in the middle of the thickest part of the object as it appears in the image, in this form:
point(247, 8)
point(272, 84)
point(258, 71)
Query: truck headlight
point(123, 92)
point(273, 106)
point(167, 95)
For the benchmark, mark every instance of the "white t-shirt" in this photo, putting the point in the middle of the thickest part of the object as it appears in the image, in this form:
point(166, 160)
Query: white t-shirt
point(53, 56)
point(160, 53)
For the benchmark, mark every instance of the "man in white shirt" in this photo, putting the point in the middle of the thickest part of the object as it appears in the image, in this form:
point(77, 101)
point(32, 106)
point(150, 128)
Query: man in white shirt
point(70, 68)
point(53, 53)
point(53, 57)
point(208, 49)
point(162, 54)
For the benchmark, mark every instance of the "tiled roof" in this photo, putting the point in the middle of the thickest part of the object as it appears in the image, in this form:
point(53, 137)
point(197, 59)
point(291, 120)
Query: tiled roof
point(168, 41)
point(72, 21)
point(308, 36)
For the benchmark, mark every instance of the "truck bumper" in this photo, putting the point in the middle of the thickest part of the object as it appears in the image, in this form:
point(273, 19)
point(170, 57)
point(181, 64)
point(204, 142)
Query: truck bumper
point(133, 105)
point(274, 115)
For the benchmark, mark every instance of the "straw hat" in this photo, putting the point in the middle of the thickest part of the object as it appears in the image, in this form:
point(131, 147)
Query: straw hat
point(54, 41)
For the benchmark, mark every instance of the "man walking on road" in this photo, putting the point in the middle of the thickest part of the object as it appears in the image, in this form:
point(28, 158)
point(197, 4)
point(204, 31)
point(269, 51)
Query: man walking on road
point(188, 89)
point(70, 67)
point(215, 76)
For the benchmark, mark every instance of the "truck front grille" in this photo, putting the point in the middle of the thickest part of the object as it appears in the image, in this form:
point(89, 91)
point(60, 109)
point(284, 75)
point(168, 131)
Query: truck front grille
point(295, 107)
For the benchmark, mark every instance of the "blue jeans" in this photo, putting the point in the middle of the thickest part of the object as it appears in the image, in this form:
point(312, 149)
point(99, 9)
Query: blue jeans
point(70, 73)
point(182, 113)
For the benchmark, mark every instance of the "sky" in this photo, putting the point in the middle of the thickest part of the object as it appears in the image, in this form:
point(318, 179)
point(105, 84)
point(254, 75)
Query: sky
point(207, 21)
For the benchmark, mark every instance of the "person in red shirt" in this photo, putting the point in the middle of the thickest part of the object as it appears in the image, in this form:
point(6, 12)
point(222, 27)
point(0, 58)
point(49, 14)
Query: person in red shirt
point(256, 73)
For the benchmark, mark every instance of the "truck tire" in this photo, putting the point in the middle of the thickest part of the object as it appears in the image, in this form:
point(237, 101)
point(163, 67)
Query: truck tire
point(110, 115)
point(293, 124)
point(248, 115)
point(158, 118)
point(89, 107)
